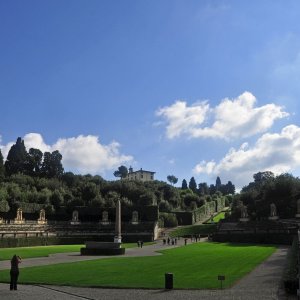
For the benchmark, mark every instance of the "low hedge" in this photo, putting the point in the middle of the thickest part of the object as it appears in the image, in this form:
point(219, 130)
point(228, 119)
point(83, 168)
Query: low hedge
point(44, 241)
point(290, 274)
point(259, 238)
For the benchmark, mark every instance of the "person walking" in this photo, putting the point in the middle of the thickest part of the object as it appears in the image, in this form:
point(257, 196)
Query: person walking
point(14, 272)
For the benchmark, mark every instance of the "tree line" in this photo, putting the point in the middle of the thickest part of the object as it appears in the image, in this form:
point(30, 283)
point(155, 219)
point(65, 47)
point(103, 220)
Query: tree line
point(35, 178)
point(282, 190)
point(32, 163)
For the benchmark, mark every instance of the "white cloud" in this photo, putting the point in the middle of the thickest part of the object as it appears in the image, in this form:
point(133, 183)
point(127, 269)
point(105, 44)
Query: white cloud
point(236, 118)
point(277, 152)
point(183, 119)
point(82, 154)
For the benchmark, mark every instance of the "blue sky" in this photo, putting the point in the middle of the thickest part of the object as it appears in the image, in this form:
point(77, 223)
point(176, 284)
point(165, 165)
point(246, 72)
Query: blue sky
point(190, 88)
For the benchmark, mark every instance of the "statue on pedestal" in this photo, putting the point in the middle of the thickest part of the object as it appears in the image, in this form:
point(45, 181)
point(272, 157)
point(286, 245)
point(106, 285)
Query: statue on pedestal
point(273, 212)
point(19, 218)
point(42, 218)
point(104, 220)
point(75, 219)
point(244, 213)
point(135, 217)
point(298, 209)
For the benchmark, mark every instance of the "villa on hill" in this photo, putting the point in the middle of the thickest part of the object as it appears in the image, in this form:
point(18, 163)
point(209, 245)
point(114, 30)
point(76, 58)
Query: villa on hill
point(141, 174)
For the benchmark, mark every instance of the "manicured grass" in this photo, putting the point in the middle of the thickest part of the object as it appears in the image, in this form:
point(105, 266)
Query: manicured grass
point(217, 217)
point(193, 230)
point(42, 251)
point(194, 266)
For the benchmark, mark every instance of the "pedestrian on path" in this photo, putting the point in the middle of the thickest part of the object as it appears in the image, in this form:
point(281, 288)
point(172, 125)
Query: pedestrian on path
point(14, 272)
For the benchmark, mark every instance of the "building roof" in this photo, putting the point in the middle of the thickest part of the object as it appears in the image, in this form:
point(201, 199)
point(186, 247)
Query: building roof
point(141, 170)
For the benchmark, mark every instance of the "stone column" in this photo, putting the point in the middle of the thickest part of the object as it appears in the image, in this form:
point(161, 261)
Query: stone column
point(118, 238)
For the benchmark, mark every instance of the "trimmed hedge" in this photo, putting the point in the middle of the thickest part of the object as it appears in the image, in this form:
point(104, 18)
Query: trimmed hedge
point(168, 220)
point(259, 237)
point(44, 241)
point(290, 275)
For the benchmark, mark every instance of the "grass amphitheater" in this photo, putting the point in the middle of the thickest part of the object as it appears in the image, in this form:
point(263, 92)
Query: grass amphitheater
point(195, 266)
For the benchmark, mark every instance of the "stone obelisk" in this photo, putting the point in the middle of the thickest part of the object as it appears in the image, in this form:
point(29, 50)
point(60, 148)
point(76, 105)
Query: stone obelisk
point(118, 238)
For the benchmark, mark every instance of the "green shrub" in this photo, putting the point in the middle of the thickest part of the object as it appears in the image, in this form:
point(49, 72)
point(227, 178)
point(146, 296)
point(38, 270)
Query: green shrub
point(168, 219)
point(290, 278)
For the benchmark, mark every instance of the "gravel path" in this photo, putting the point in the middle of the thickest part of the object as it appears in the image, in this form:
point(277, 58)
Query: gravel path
point(262, 283)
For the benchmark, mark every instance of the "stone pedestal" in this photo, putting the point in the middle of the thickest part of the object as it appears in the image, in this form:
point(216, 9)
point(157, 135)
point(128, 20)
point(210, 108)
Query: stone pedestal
point(19, 222)
point(107, 248)
point(75, 222)
point(42, 222)
point(244, 219)
point(102, 248)
point(117, 240)
point(274, 218)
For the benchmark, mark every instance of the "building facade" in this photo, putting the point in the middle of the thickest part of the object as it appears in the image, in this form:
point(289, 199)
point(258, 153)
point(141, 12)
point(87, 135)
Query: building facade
point(141, 175)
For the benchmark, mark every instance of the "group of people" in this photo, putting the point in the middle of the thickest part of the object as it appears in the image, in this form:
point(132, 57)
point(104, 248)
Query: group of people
point(140, 243)
point(170, 241)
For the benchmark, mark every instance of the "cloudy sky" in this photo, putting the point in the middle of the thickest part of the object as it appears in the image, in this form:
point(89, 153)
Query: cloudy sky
point(189, 88)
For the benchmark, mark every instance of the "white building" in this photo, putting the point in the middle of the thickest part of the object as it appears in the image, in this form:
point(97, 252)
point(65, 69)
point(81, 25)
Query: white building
point(140, 175)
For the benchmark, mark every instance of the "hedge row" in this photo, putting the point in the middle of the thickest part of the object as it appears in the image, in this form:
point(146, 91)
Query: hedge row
point(86, 214)
point(44, 241)
point(290, 275)
point(260, 238)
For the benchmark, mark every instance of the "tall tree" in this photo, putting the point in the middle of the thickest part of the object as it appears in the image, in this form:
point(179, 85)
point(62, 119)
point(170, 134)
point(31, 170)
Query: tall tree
point(263, 176)
point(16, 159)
point(34, 162)
point(1, 166)
point(193, 184)
point(121, 172)
point(212, 189)
point(184, 185)
point(172, 179)
point(230, 188)
point(218, 183)
point(203, 188)
point(52, 166)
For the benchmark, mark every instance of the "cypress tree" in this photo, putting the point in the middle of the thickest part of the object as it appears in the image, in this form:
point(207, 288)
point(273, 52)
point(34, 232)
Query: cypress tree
point(1, 166)
point(16, 159)
point(193, 184)
point(184, 185)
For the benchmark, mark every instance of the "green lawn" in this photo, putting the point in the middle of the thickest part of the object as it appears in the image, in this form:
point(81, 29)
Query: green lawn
point(194, 266)
point(193, 230)
point(41, 251)
point(219, 217)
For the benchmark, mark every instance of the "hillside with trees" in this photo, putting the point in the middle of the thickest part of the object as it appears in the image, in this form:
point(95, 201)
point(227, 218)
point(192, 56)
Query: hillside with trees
point(33, 180)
